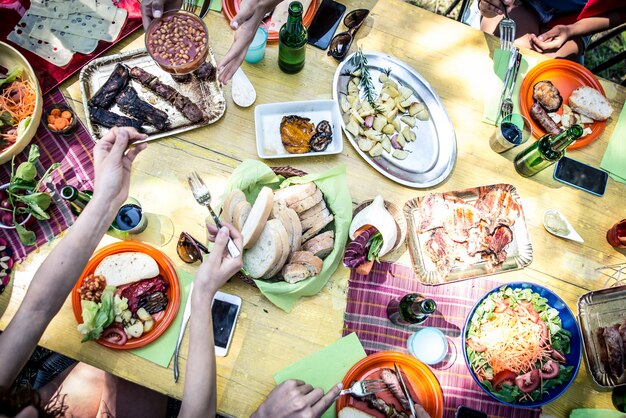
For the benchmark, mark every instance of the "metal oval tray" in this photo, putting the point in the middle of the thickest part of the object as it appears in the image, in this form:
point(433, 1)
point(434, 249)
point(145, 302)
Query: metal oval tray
point(433, 155)
point(208, 95)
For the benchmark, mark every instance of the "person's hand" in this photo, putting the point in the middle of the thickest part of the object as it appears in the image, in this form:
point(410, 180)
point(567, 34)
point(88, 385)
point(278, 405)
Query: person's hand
point(492, 8)
point(295, 399)
point(420, 411)
point(245, 24)
point(219, 266)
point(551, 40)
point(153, 9)
point(112, 161)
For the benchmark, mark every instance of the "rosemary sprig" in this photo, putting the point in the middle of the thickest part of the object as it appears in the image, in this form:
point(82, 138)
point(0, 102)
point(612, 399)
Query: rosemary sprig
point(359, 62)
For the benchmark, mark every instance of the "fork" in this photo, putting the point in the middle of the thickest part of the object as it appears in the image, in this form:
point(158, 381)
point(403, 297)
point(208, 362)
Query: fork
point(507, 30)
point(189, 6)
point(363, 388)
point(203, 196)
point(507, 104)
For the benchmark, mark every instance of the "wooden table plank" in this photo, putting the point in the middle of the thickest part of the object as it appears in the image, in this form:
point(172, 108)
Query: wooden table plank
point(455, 59)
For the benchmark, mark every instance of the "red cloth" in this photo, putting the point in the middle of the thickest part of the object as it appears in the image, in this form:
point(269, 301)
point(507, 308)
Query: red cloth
point(591, 9)
point(48, 74)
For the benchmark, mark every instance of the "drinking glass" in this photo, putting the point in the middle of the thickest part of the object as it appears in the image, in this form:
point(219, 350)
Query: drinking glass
point(130, 218)
point(513, 130)
point(616, 236)
point(429, 345)
point(256, 50)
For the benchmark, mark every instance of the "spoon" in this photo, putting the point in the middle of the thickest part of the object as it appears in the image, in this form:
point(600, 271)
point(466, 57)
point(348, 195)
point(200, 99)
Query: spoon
point(243, 92)
point(556, 224)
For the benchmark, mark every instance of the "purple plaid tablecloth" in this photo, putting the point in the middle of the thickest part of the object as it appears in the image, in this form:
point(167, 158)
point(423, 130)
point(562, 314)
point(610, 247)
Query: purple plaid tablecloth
point(366, 314)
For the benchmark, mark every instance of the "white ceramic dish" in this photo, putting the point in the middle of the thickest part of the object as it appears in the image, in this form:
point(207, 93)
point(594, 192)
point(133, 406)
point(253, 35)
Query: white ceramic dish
point(267, 118)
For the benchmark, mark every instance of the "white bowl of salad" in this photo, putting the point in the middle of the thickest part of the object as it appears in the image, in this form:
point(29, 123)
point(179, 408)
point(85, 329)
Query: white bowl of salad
point(522, 345)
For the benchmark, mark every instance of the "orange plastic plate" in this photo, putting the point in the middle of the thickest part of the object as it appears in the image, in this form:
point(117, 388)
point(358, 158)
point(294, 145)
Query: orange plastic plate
point(167, 271)
point(231, 8)
point(421, 383)
point(566, 76)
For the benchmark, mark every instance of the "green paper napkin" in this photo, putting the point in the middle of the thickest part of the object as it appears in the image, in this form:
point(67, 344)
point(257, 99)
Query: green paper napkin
point(614, 159)
point(595, 413)
point(216, 5)
point(327, 367)
point(162, 350)
point(252, 175)
point(491, 108)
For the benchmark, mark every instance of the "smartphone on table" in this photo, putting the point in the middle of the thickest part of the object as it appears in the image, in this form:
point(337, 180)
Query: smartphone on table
point(581, 176)
point(224, 311)
point(465, 412)
point(325, 23)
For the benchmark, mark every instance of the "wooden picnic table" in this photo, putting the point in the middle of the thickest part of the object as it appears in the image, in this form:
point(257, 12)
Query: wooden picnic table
point(456, 60)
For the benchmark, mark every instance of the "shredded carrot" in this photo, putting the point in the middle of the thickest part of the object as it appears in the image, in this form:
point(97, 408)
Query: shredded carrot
point(18, 99)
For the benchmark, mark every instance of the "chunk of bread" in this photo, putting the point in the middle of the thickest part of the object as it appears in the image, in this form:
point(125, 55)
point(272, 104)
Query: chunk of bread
point(283, 238)
point(128, 267)
point(591, 103)
point(350, 412)
point(320, 206)
point(292, 194)
point(258, 217)
point(321, 245)
point(313, 263)
point(294, 273)
point(292, 224)
point(312, 220)
point(231, 200)
point(308, 202)
point(240, 214)
point(266, 251)
point(315, 229)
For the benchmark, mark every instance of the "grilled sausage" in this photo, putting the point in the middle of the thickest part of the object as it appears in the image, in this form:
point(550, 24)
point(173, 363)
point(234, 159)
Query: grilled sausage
point(602, 353)
point(615, 350)
point(393, 384)
point(541, 117)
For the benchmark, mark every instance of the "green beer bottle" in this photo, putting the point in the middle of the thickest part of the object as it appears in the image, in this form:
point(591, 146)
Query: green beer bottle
point(545, 152)
point(412, 308)
point(292, 41)
point(75, 198)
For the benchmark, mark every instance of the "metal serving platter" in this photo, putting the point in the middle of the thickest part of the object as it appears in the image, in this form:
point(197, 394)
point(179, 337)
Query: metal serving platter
point(433, 154)
point(600, 308)
point(212, 103)
point(519, 251)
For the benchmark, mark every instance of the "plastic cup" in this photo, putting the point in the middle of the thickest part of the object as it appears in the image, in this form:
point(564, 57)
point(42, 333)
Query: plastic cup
point(512, 131)
point(429, 345)
point(256, 50)
point(616, 236)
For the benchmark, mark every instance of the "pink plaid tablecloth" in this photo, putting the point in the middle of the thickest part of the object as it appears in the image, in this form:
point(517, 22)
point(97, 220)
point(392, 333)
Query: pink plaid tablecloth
point(75, 153)
point(366, 314)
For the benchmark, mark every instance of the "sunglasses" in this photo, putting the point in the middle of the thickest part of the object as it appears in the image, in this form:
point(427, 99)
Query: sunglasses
point(190, 249)
point(340, 44)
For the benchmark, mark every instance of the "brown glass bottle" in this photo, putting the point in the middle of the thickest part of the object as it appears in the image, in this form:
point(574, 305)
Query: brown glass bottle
point(292, 41)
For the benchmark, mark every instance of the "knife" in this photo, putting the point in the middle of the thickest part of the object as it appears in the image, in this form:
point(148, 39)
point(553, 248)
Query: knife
point(518, 61)
point(183, 325)
point(205, 8)
point(405, 391)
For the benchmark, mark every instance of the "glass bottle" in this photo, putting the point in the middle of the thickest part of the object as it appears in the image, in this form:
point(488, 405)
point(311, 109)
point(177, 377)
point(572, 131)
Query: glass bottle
point(619, 398)
point(292, 41)
point(545, 152)
point(412, 308)
point(76, 199)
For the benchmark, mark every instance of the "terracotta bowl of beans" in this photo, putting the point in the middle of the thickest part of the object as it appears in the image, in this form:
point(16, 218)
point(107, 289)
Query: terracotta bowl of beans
point(178, 42)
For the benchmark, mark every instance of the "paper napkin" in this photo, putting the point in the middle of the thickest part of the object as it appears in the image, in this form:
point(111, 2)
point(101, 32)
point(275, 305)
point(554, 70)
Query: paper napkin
point(162, 350)
point(216, 5)
point(327, 367)
point(614, 160)
point(596, 413)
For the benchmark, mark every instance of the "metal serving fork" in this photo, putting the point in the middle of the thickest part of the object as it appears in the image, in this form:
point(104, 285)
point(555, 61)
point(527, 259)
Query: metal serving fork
point(189, 6)
point(507, 30)
point(507, 104)
point(363, 388)
point(203, 196)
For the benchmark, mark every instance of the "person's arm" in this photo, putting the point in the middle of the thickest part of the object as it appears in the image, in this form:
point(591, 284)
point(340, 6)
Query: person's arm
point(493, 8)
point(200, 395)
point(57, 275)
point(245, 24)
point(556, 37)
point(296, 399)
point(153, 9)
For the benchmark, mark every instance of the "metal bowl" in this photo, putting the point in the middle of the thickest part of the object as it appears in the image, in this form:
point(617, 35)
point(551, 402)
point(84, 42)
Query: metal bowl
point(9, 58)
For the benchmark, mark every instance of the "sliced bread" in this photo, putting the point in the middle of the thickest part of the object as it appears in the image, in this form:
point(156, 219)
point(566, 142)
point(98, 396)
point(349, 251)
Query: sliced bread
point(294, 273)
point(266, 251)
point(313, 263)
point(591, 103)
point(320, 206)
point(350, 412)
point(284, 245)
point(315, 229)
point(296, 239)
point(292, 194)
point(240, 214)
point(312, 220)
point(321, 245)
point(258, 217)
point(230, 202)
point(308, 202)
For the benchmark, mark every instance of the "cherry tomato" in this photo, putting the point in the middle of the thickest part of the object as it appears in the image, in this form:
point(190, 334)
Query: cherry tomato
point(115, 335)
point(549, 370)
point(544, 331)
point(503, 377)
point(529, 381)
point(3, 195)
point(475, 345)
point(501, 306)
point(6, 204)
point(6, 218)
point(526, 308)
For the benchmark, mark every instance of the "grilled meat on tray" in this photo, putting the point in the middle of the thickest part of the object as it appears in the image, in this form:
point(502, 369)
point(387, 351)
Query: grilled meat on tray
point(205, 71)
point(105, 96)
point(109, 119)
point(181, 102)
point(130, 103)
